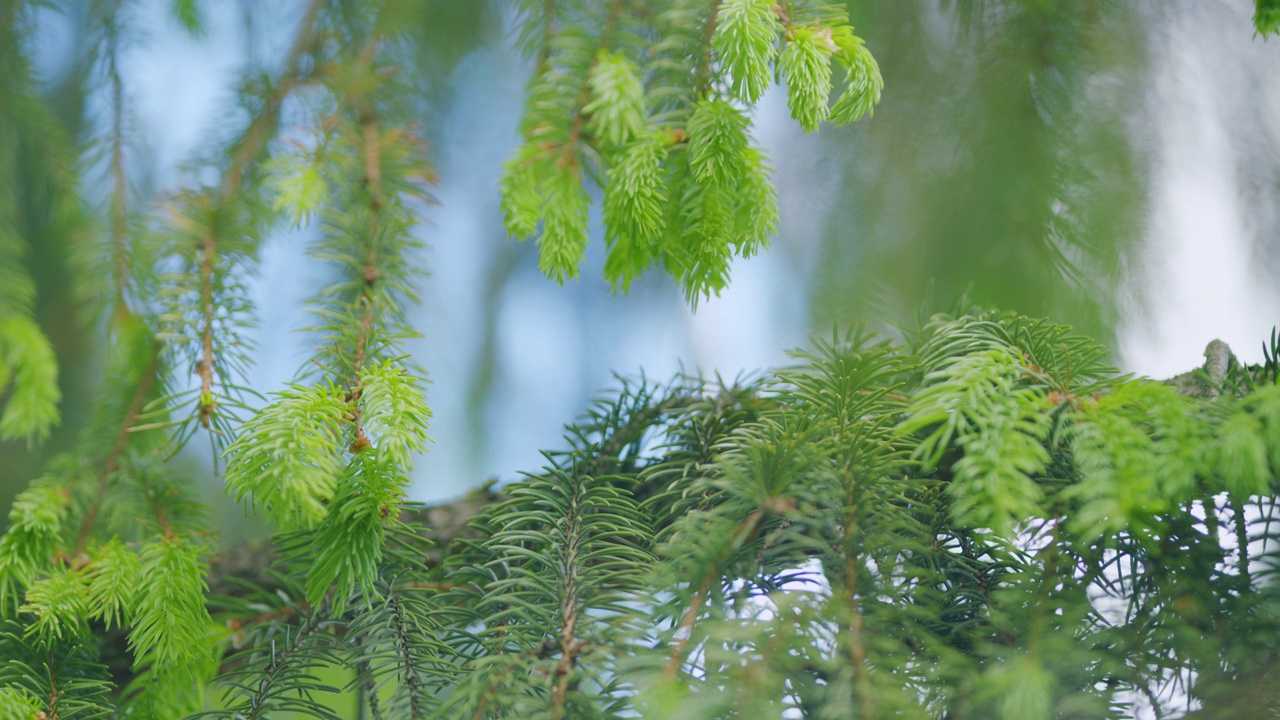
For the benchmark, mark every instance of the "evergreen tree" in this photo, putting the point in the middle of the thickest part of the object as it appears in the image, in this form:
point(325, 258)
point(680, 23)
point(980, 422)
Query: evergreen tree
point(980, 518)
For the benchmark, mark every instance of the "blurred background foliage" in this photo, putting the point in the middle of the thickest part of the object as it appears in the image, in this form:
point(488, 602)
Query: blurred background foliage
point(1025, 152)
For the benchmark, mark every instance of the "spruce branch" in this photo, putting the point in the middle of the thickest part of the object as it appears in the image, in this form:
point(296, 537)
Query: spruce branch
point(119, 217)
point(250, 145)
point(258, 132)
point(111, 462)
point(568, 154)
point(703, 74)
point(743, 534)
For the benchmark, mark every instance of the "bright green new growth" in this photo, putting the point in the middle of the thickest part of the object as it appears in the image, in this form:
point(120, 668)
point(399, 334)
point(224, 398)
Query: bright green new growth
point(806, 64)
point(563, 241)
point(979, 402)
point(617, 99)
point(616, 109)
point(60, 606)
point(395, 413)
point(114, 583)
point(635, 202)
point(17, 703)
point(746, 37)
point(345, 551)
point(978, 519)
point(169, 619)
point(29, 374)
point(299, 186)
point(34, 529)
point(288, 457)
point(863, 83)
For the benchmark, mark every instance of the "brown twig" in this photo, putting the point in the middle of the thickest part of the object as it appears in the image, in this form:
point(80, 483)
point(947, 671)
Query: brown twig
point(569, 644)
point(208, 258)
point(373, 184)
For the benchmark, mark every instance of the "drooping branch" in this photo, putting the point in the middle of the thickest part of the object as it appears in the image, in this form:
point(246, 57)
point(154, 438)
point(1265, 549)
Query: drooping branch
point(567, 157)
point(255, 138)
point(119, 180)
point(112, 461)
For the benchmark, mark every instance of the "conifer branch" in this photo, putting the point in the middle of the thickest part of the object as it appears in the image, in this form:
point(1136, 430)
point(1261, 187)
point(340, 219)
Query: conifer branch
point(1242, 543)
point(369, 275)
point(368, 696)
point(112, 461)
point(254, 140)
point(569, 607)
point(612, 18)
point(704, 61)
point(744, 533)
point(120, 188)
point(548, 33)
point(208, 259)
point(410, 676)
point(259, 131)
point(857, 641)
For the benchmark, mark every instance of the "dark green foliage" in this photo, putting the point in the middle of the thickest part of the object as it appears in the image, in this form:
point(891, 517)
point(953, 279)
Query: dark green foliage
point(829, 538)
point(980, 518)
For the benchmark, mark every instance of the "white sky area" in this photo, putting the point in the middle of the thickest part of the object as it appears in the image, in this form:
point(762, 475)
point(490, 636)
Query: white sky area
point(1213, 105)
point(1213, 108)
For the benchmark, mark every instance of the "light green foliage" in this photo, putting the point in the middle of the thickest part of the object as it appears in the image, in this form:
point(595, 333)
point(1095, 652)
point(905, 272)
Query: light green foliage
point(806, 64)
point(746, 39)
point(617, 98)
point(522, 192)
point(728, 209)
point(717, 142)
point(394, 413)
point(1242, 455)
point(346, 548)
point(564, 225)
point(635, 208)
point(616, 109)
point(1265, 404)
point(59, 602)
point(299, 185)
point(29, 374)
point(288, 457)
point(863, 83)
point(170, 619)
point(979, 518)
point(978, 402)
point(115, 578)
point(31, 538)
point(18, 704)
point(1138, 450)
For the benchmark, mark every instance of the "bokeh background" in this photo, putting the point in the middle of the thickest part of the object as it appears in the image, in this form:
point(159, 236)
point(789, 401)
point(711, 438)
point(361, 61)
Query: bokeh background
point(1112, 164)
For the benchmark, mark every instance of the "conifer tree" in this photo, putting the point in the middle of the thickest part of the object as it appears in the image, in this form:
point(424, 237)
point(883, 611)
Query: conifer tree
point(980, 518)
